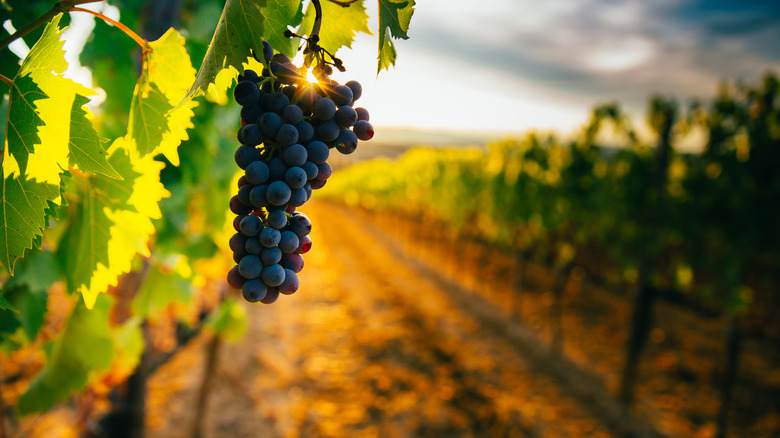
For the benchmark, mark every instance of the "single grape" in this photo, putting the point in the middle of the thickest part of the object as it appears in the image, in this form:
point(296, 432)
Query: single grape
point(250, 266)
point(304, 245)
point(347, 141)
point(328, 131)
point(305, 131)
point(271, 295)
point(278, 193)
point(307, 188)
point(341, 95)
point(277, 219)
point(295, 177)
point(237, 207)
point(277, 102)
point(298, 197)
point(292, 261)
point(288, 241)
point(306, 97)
point(289, 91)
point(243, 194)
point(357, 89)
point(290, 283)
point(237, 221)
point(250, 226)
point(293, 114)
point(257, 172)
point(294, 155)
point(270, 124)
point(234, 278)
point(324, 171)
point(271, 256)
point(346, 116)
point(362, 113)
point(246, 93)
point(317, 152)
point(252, 135)
point(242, 181)
point(273, 275)
point(254, 290)
point(318, 184)
point(237, 242)
point(268, 51)
point(310, 169)
point(364, 130)
point(248, 75)
point(300, 224)
point(253, 246)
point(324, 108)
point(270, 237)
point(257, 196)
point(250, 114)
point(281, 58)
point(246, 154)
point(287, 135)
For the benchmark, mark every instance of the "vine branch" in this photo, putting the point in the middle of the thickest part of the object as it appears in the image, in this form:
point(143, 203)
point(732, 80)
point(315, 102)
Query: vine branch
point(58, 8)
point(6, 80)
point(141, 42)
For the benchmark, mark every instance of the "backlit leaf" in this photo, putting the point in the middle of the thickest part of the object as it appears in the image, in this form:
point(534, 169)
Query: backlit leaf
point(154, 125)
point(278, 15)
point(87, 152)
point(240, 29)
point(394, 19)
point(339, 24)
point(111, 222)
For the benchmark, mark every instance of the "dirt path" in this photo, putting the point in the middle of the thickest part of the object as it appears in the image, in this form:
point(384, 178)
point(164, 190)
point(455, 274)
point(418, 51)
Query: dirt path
point(371, 346)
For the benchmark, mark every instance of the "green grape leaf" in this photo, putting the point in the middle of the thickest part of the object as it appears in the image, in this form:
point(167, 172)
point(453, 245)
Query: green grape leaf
point(39, 113)
point(278, 14)
point(23, 203)
point(240, 29)
point(86, 345)
point(111, 222)
point(87, 152)
point(154, 125)
point(167, 282)
point(339, 24)
point(23, 118)
point(394, 19)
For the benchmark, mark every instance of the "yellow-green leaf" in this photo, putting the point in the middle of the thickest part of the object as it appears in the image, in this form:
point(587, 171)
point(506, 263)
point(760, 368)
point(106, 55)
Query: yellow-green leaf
point(154, 125)
point(394, 19)
point(239, 31)
point(111, 221)
point(340, 24)
point(87, 152)
point(278, 15)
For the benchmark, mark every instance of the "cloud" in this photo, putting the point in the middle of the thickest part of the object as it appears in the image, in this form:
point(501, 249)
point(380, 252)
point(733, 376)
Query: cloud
point(607, 49)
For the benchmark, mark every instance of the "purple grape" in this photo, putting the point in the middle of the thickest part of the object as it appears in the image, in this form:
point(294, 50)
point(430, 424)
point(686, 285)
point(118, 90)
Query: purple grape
point(250, 266)
point(295, 177)
point(234, 278)
point(357, 89)
point(270, 237)
point(246, 93)
point(300, 224)
point(294, 155)
point(290, 283)
point(317, 152)
point(257, 197)
point(362, 113)
point(270, 124)
point(271, 295)
point(324, 108)
point(328, 131)
point(305, 131)
point(287, 135)
point(246, 154)
point(345, 116)
point(250, 226)
point(257, 172)
point(341, 95)
point(237, 207)
point(277, 168)
point(298, 197)
point(364, 130)
point(254, 290)
point(324, 171)
point(347, 142)
point(271, 256)
point(310, 169)
point(276, 219)
point(253, 246)
point(293, 114)
point(288, 242)
point(278, 193)
point(293, 262)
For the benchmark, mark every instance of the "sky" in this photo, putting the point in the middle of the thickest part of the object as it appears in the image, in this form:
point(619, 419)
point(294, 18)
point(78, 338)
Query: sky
point(498, 67)
point(508, 66)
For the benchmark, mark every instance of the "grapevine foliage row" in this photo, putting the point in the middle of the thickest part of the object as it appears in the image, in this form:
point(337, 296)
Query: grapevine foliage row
point(88, 189)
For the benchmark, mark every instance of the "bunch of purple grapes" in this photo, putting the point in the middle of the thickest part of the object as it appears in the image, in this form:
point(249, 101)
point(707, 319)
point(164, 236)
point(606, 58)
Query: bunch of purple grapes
point(288, 128)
